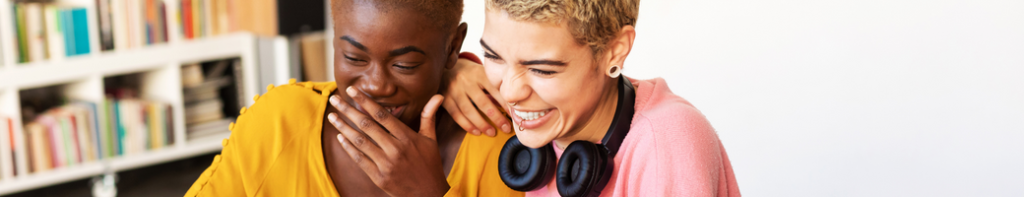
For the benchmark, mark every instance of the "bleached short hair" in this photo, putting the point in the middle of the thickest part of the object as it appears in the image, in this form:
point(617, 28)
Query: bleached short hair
point(591, 22)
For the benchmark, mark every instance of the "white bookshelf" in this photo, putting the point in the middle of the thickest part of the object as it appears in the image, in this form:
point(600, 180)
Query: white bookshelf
point(82, 77)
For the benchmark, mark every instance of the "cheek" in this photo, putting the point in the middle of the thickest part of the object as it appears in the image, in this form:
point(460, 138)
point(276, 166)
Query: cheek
point(494, 74)
point(573, 96)
point(421, 85)
point(553, 92)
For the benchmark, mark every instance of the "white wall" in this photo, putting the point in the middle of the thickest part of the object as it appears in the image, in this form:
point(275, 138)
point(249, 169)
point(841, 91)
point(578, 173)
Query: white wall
point(846, 98)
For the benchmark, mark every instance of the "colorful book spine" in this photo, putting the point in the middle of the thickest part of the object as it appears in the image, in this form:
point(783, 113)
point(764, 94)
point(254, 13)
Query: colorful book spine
point(79, 21)
point(54, 33)
point(69, 32)
point(39, 147)
point(22, 35)
point(186, 19)
point(75, 134)
point(120, 135)
point(112, 128)
point(96, 121)
point(36, 34)
point(119, 20)
point(103, 14)
point(7, 147)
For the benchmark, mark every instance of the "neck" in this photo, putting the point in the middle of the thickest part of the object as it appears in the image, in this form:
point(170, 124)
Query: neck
point(597, 126)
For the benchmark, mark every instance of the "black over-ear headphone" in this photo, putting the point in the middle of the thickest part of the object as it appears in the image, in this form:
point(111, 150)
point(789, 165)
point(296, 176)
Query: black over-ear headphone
point(583, 169)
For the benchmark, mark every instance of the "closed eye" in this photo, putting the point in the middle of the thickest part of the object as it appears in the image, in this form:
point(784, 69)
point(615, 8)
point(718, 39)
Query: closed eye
point(353, 59)
point(406, 66)
point(542, 72)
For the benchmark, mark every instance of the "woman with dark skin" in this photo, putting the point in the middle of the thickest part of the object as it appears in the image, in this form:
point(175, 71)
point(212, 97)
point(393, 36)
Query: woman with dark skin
point(391, 58)
point(397, 66)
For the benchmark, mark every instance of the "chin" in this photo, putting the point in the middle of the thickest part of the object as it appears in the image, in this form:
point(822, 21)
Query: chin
point(534, 138)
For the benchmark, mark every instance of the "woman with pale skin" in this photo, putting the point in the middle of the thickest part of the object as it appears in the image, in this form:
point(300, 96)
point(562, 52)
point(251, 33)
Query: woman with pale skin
point(555, 66)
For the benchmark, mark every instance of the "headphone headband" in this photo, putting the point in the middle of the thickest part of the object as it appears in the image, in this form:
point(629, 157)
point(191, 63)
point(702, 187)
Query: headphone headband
point(623, 117)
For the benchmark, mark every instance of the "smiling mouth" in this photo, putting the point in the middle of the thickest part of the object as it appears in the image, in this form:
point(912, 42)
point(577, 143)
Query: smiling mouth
point(530, 115)
point(395, 110)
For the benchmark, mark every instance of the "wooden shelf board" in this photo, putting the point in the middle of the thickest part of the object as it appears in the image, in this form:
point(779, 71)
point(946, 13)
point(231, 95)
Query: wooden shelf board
point(45, 73)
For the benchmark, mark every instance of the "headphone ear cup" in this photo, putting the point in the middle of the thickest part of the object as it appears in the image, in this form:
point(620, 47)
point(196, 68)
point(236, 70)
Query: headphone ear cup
point(588, 160)
point(523, 168)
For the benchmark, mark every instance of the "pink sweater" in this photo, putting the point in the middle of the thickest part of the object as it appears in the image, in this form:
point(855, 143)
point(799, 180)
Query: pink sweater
point(671, 150)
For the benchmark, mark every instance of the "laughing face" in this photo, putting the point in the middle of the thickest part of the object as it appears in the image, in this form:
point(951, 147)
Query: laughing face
point(552, 83)
point(396, 57)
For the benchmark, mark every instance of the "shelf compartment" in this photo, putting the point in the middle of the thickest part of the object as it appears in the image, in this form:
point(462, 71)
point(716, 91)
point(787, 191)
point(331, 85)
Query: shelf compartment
point(196, 147)
point(211, 95)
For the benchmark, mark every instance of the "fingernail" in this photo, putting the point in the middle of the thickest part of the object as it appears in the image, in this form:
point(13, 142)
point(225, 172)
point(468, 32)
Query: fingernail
point(351, 91)
point(334, 100)
point(476, 132)
point(333, 118)
point(490, 132)
point(340, 139)
point(506, 128)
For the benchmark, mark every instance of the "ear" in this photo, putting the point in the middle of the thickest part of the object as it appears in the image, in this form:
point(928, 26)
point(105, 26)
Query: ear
point(618, 48)
point(456, 45)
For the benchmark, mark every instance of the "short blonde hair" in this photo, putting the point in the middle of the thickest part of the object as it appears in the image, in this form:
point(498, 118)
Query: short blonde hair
point(591, 22)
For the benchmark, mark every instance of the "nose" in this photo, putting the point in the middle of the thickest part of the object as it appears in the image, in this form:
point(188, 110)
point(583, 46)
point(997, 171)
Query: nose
point(514, 86)
point(376, 82)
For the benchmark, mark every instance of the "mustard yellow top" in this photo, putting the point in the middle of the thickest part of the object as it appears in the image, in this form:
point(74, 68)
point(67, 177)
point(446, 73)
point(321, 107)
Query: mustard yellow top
point(275, 150)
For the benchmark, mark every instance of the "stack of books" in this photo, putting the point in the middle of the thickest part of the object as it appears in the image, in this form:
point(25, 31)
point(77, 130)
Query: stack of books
point(83, 132)
point(204, 106)
point(48, 31)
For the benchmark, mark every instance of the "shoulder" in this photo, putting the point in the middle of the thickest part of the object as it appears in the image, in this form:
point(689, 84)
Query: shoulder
point(668, 115)
point(671, 128)
point(282, 113)
point(670, 145)
point(294, 97)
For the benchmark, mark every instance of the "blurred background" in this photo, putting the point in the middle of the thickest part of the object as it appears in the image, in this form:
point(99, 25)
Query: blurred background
point(810, 98)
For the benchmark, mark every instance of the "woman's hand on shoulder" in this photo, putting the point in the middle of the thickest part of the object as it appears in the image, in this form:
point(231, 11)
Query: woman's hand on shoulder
point(473, 102)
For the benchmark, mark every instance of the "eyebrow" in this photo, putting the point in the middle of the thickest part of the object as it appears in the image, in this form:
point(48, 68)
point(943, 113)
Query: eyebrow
point(396, 52)
point(484, 44)
point(405, 50)
point(525, 63)
point(542, 62)
point(353, 42)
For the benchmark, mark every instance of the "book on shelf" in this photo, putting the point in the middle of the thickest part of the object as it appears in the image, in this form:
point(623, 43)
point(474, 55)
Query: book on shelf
point(84, 132)
point(104, 21)
point(49, 31)
point(206, 129)
point(7, 143)
point(203, 18)
point(314, 56)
